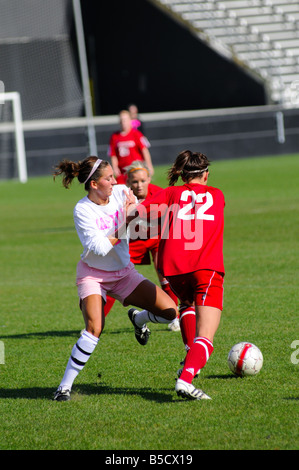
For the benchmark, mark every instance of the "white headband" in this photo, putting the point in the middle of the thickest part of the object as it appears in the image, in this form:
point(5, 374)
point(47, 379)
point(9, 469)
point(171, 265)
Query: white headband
point(196, 171)
point(95, 166)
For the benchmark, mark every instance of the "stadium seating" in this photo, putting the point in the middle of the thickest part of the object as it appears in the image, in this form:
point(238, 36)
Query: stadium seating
point(262, 36)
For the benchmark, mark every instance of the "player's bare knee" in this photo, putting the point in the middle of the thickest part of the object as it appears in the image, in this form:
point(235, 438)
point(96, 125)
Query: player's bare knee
point(170, 313)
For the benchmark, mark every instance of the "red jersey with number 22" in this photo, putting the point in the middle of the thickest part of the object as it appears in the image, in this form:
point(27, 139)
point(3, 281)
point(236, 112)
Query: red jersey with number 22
point(192, 221)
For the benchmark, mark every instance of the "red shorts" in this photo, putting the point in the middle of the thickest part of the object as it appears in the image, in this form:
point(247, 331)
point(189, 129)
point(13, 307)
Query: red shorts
point(203, 287)
point(121, 179)
point(140, 250)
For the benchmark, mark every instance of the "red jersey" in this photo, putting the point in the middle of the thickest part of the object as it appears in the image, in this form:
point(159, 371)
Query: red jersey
point(151, 190)
point(127, 148)
point(148, 232)
point(192, 222)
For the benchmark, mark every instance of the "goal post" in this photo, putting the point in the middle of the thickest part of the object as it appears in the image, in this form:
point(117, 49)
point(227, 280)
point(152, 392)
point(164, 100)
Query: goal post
point(16, 127)
point(85, 77)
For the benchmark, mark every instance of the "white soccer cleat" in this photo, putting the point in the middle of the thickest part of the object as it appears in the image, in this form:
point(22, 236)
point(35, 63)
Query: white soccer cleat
point(174, 325)
point(188, 391)
point(62, 394)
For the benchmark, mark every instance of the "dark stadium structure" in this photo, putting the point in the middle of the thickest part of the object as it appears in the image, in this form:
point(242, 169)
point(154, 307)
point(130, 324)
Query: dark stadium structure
point(137, 53)
point(190, 95)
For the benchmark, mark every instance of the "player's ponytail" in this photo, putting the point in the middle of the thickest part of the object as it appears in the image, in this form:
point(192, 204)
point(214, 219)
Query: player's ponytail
point(69, 169)
point(176, 170)
point(81, 170)
point(187, 165)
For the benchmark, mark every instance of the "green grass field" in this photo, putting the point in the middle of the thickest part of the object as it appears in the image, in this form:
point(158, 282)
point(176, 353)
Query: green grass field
point(124, 399)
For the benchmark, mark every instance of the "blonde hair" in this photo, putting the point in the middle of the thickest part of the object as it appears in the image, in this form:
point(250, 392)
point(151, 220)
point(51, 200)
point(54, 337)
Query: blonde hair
point(136, 166)
point(124, 111)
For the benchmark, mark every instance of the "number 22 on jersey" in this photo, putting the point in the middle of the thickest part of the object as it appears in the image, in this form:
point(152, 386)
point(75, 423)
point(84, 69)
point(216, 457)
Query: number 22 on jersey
point(196, 206)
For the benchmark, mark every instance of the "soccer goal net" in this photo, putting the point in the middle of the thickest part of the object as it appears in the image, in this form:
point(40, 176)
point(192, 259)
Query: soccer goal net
point(12, 146)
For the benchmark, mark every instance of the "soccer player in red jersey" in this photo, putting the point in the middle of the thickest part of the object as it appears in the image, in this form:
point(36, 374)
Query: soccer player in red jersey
point(126, 146)
point(190, 257)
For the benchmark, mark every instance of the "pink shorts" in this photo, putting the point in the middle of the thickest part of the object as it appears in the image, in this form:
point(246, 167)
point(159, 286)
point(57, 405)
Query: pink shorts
point(203, 287)
point(118, 284)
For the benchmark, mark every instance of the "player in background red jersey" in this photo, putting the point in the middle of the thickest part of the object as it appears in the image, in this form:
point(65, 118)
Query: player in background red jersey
point(190, 256)
point(126, 146)
point(145, 245)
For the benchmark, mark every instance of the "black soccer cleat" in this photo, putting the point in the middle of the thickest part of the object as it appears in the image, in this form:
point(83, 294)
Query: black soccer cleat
point(141, 334)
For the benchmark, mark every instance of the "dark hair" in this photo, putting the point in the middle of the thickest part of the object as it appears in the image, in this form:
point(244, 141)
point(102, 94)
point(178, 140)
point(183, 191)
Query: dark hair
point(187, 165)
point(79, 170)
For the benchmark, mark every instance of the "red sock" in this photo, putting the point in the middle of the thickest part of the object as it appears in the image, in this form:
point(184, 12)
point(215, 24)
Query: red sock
point(196, 358)
point(108, 305)
point(166, 287)
point(188, 325)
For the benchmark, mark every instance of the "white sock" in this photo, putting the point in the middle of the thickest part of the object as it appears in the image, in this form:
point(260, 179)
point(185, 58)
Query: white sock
point(81, 352)
point(145, 316)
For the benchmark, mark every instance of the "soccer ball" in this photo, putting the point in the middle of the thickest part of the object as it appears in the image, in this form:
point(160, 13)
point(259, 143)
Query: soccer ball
point(245, 359)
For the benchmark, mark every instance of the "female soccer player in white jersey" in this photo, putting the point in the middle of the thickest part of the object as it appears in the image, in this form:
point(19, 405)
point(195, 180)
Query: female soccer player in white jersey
point(191, 257)
point(105, 266)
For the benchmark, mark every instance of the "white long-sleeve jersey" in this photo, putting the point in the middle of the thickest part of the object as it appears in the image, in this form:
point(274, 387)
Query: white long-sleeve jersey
point(94, 223)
